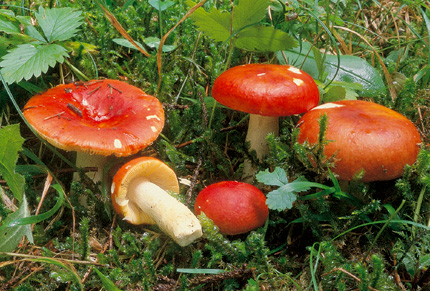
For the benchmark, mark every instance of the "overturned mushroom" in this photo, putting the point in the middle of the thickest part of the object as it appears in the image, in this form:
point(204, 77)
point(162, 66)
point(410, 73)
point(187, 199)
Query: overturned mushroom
point(140, 195)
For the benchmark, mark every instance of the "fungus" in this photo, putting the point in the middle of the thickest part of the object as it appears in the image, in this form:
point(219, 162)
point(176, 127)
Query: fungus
point(363, 136)
point(235, 207)
point(266, 92)
point(96, 119)
point(140, 195)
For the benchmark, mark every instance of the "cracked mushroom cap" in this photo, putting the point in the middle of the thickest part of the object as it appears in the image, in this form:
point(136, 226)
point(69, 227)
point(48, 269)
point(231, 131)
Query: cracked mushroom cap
point(266, 89)
point(101, 117)
point(363, 136)
point(149, 168)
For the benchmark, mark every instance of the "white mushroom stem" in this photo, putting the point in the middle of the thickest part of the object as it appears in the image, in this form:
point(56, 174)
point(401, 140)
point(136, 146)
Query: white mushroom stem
point(84, 160)
point(258, 129)
point(171, 216)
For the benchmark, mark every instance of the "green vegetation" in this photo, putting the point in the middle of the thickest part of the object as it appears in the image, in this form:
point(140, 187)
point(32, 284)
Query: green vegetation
point(320, 235)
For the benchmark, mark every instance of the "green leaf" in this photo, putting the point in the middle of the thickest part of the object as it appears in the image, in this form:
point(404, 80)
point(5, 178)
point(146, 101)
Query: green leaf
point(29, 60)
point(284, 197)
point(10, 144)
point(200, 271)
point(9, 24)
point(264, 38)
point(335, 93)
point(152, 42)
point(30, 29)
point(20, 221)
point(351, 69)
point(59, 24)
point(11, 236)
point(161, 5)
point(213, 23)
point(280, 200)
point(107, 283)
point(277, 178)
point(249, 12)
point(124, 42)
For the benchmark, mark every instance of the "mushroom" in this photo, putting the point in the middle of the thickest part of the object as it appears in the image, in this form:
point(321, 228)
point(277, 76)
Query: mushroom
point(140, 195)
point(97, 119)
point(363, 136)
point(267, 92)
point(235, 207)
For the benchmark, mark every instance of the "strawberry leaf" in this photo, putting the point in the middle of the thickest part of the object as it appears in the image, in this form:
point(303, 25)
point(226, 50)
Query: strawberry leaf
point(264, 38)
point(59, 24)
point(29, 60)
point(214, 23)
point(249, 12)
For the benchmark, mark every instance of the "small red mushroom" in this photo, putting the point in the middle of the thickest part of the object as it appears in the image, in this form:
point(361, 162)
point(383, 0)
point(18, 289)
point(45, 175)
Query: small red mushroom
point(363, 136)
point(267, 92)
point(97, 118)
point(235, 207)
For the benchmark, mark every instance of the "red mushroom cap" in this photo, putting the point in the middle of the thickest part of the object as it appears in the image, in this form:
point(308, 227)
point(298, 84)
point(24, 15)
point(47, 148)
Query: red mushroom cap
point(235, 207)
point(363, 136)
point(265, 89)
point(102, 117)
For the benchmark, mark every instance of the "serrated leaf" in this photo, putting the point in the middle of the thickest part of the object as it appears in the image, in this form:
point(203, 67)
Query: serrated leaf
point(264, 38)
point(161, 5)
point(30, 29)
point(10, 144)
point(351, 69)
point(11, 236)
point(276, 178)
point(280, 200)
point(249, 12)
point(29, 60)
point(9, 24)
point(59, 24)
point(214, 23)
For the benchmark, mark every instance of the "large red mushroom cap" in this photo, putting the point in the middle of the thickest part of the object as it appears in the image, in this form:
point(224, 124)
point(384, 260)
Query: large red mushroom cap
point(266, 89)
point(363, 136)
point(234, 207)
point(102, 117)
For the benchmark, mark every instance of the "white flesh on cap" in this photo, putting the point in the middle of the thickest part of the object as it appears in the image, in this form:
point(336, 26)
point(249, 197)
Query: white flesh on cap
point(258, 129)
point(171, 216)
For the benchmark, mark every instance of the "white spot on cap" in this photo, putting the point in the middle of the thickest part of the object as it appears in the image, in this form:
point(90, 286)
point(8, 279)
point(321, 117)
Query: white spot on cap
point(298, 82)
point(153, 128)
point(112, 188)
point(262, 74)
point(328, 105)
point(152, 117)
point(294, 70)
point(117, 143)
